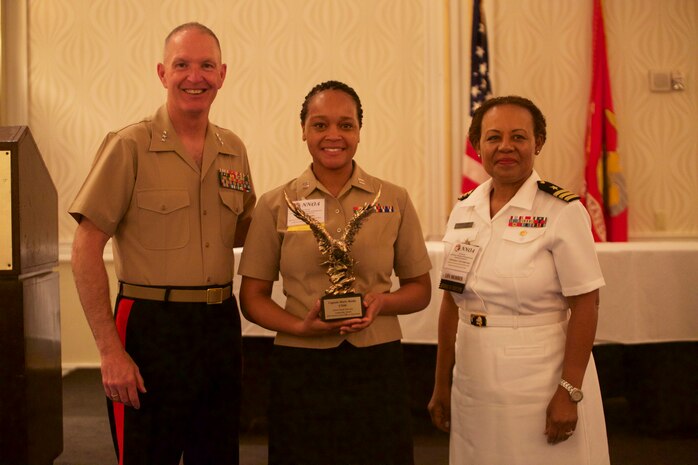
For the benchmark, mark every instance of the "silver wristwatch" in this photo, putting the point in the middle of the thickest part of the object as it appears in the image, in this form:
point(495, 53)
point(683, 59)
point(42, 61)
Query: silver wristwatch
point(575, 394)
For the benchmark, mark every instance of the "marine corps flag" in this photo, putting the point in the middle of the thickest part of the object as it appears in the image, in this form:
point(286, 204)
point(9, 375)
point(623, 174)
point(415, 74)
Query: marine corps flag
point(604, 193)
point(473, 174)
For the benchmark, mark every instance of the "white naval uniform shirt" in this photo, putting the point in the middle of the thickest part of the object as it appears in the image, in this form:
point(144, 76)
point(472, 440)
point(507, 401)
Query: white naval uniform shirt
point(524, 270)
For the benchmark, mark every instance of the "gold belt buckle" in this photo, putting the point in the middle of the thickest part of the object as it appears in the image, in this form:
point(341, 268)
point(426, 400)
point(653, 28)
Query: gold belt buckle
point(478, 320)
point(214, 295)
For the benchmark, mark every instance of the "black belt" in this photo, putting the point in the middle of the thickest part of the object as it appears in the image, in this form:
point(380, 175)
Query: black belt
point(211, 296)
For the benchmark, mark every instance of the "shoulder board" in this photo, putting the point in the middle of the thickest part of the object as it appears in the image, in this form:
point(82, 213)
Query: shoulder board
point(466, 195)
point(557, 191)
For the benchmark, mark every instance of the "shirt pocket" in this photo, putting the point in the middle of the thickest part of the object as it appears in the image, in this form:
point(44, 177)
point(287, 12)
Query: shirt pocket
point(163, 218)
point(518, 251)
point(231, 209)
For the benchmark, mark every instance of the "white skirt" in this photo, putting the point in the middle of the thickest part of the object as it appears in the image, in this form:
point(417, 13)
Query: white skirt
point(503, 381)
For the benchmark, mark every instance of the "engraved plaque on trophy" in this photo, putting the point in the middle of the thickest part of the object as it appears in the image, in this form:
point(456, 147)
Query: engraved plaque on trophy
point(341, 301)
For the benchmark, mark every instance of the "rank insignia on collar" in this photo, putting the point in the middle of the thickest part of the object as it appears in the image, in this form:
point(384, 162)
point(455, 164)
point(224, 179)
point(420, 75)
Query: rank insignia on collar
point(466, 195)
point(557, 191)
point(528, 221)
point(234, 180)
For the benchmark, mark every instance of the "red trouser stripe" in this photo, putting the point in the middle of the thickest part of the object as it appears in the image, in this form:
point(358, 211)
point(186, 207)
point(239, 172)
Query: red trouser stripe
point(122, 314)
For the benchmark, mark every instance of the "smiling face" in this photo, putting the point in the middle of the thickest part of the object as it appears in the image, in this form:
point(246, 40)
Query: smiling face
point(508, 144)
point(331, 130)
point(191, 72)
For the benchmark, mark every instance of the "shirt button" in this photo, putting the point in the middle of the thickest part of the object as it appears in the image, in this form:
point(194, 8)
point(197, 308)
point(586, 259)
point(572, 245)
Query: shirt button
point(339, 229)
point(163, 208)
point(208, 280)
point(337, 210)
point(522, 233)
point(205, 212)
point(207, 245)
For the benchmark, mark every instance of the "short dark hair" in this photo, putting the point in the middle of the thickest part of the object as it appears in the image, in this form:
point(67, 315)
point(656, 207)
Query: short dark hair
point(475, 130)
point(192, 25)
point(332, 85)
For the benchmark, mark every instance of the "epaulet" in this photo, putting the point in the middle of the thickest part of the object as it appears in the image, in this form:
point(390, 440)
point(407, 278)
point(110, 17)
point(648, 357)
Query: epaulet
point(466, 195)
point(557, 191)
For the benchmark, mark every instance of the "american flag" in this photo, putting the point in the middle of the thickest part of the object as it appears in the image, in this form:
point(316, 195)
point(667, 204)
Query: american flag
point(480, 90)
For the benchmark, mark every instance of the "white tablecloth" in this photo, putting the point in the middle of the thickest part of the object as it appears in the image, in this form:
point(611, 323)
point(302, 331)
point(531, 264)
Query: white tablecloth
point(651, 295)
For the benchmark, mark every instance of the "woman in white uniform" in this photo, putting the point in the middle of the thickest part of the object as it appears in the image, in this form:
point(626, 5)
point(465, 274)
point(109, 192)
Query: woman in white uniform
point(515, 379)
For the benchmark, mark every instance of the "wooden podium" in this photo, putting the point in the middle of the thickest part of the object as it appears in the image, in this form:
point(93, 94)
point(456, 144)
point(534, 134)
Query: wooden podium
point(31, 405)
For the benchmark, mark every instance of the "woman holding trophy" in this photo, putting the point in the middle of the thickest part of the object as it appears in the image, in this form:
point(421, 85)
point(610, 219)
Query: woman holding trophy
point(336, 234)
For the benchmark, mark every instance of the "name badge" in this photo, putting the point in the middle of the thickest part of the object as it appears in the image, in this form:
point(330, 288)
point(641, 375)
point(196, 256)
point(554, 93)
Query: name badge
point(313, 207)
point(458, 264)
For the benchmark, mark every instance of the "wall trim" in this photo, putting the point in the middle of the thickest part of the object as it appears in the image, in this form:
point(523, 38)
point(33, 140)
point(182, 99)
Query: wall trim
point(436, 124)
point(14, 81)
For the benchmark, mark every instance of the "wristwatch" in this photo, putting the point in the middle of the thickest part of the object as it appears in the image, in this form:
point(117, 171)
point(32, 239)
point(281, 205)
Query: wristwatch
point(575, 394)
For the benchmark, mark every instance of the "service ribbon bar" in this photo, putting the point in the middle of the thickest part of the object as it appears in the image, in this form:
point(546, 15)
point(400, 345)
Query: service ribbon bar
point(234, 180)
point(528, 221)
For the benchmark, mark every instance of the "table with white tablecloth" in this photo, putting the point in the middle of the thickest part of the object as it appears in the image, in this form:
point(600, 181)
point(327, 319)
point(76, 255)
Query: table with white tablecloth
point(645, 341)
point(651, 295)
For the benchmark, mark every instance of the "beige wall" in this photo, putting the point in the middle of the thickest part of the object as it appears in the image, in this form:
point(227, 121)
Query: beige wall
point(91, 68)
point(542, 49)
point(77, 346)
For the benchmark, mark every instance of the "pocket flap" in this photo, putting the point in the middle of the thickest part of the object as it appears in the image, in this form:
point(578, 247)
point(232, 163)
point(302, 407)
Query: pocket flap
point(522, 235)
point(163, 201)
point(460, 236)
point(232, 199)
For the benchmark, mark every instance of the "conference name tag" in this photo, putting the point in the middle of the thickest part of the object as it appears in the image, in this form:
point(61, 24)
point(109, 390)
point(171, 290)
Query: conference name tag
point(458, 264)
point(313, 207)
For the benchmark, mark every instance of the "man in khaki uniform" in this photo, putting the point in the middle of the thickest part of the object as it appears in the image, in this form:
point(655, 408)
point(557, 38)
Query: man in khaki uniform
point(174, 192)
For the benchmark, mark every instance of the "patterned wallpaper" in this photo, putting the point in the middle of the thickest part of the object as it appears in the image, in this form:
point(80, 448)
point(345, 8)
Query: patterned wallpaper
point(542, 49)
point(92, 69)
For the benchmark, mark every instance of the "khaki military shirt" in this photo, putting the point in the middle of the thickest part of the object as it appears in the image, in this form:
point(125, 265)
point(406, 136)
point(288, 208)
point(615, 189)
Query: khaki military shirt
point(172, 223)
point(388, 240)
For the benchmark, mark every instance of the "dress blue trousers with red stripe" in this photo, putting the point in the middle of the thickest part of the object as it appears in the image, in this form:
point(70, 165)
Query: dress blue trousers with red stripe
point(189, 355)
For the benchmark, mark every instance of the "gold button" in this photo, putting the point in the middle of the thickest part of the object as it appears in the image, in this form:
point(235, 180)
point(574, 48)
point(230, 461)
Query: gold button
point(339, 229)
point(207, 244)
point(163, 208)
point(205, 212)
point(522, 233)
point(337, 210)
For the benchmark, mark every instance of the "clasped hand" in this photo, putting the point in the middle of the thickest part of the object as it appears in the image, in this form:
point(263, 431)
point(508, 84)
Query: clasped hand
point(314, 326)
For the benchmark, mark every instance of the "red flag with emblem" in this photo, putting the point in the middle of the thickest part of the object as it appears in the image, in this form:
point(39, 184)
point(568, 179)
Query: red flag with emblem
point(604, 193)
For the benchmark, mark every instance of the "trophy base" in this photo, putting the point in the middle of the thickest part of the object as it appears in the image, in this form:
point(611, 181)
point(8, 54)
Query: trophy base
point(341, 307)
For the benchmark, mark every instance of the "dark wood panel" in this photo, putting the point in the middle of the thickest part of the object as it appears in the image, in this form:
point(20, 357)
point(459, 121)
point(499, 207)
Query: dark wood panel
point(34, 204)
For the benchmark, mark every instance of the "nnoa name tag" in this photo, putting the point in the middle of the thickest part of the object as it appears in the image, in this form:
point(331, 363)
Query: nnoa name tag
point(313, 207)
point(458, 264)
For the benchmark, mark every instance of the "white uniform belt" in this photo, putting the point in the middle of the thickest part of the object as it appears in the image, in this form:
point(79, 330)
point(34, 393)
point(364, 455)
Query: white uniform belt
point(212, 295)
point(513, 321)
